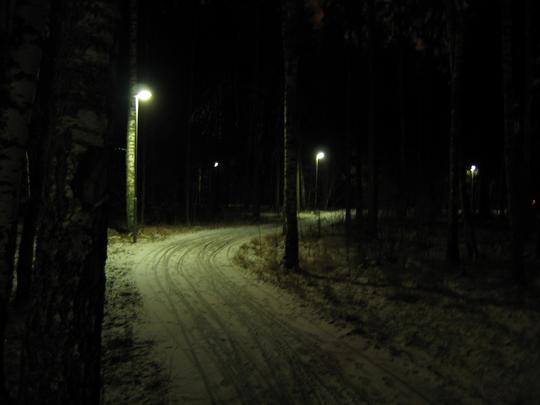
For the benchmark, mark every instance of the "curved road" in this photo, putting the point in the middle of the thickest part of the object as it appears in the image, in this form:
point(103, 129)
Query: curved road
point(222, 336)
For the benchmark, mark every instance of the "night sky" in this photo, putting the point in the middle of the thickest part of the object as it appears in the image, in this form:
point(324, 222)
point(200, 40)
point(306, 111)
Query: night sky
point(211, 65)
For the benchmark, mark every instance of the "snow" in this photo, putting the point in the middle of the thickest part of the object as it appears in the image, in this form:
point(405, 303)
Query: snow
point(130, 374)
point(474, 337)
point(186, 324)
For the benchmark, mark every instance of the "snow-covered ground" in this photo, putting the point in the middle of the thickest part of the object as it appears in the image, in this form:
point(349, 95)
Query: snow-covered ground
point(474, 336)
point(186, 324)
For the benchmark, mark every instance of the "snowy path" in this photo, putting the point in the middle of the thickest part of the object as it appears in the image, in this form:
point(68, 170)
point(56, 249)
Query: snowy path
point(222, 336)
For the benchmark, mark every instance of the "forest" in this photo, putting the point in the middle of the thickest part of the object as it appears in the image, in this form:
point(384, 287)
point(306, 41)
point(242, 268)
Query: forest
point(396, 140)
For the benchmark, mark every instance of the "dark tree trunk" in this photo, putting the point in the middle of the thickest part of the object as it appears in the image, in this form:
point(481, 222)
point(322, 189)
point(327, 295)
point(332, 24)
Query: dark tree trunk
point(292, 10)
point(348, 142)
point(256, 118)
point(420, 176)
point(468, 222)
point(512, 144)
point(31, 216)
point(359, 191)
point(20, 68)
point(61, 351)
point(373, 202)
point(279, 163)
point(530, 130)
point(457, 125)
point(300, 184)
point(188, 210)
point(455, 28)
point(26, 251)
point(402, 175)
point(38, 129)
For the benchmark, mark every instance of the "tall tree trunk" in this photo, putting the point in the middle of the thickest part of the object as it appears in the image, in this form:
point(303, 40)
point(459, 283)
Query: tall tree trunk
point(26, 245)
point(420, 177)
point(33, 205)
point(38, 128)
point(529, 128)
point(458, 139)
point(131, 142)
point(300, 183)
point(512, 144)
point(292, 10)
point(22, 64)
point(466, 208)
point(348, 142)
point(61, 352)
point(454, 22)
point(373, 202)
point(188, 211)
point(402, 175)
point(256, 118)
point(279, 148)
point(358, 191)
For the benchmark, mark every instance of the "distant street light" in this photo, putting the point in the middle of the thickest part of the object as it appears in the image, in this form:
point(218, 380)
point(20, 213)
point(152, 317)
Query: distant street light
point(473, 172)
point(319, 156)
point(131, 162)
point(216, 164)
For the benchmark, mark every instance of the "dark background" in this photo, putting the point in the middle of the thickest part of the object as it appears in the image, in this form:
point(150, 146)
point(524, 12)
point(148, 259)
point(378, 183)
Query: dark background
point(214, 66)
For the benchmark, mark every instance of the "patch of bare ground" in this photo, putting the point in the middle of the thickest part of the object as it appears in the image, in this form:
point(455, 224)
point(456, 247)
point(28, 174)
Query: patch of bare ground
point(470, 325)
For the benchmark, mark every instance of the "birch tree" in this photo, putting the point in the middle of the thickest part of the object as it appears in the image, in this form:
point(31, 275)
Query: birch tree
point(61, 351)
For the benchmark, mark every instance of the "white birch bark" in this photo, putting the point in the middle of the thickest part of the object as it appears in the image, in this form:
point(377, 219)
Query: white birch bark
point(131, 143)
point(61, 353)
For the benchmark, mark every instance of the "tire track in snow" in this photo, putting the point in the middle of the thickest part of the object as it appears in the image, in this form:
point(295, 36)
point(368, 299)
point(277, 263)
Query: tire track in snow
point(188, 338)
point(302, 370)
point(263, 356)
point(230, 366)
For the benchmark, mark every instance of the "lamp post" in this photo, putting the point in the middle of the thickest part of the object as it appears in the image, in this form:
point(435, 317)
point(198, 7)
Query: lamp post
point(319, 156)
point(131, 162)
point(473, 171)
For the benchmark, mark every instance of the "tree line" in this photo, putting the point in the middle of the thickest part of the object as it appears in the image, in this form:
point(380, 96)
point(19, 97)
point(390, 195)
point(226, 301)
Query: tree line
point(436, 36)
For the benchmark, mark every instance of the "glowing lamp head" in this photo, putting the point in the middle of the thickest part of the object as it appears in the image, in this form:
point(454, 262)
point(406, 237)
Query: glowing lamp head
point(144, 95)
point(473, 168)
point(320, 156)
point(216, 164)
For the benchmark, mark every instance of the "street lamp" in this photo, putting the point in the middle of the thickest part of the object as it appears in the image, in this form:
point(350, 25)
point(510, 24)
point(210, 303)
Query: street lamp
point(473, 172)
point(319, 156)
point(144, 95)
point(131, 161)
